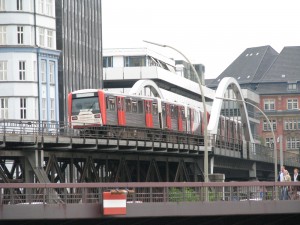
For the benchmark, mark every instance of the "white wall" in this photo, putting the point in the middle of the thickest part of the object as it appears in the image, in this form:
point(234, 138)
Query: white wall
point(118, 61)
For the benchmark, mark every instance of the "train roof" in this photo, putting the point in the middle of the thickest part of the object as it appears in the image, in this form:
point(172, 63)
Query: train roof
point(113, 93)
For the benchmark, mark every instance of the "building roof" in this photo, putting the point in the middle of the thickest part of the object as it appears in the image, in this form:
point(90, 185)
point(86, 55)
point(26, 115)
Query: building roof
point(272, 88)
point(286, 67)
point(250, 66)
point(208, 81)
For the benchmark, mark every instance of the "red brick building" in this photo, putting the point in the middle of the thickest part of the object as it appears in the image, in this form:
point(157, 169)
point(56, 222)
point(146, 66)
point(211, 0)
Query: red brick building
point(276, 78)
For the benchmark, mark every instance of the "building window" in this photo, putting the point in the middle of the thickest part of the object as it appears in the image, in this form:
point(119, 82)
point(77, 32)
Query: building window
point(50, 38)
point(292, 87)
point(292, 124)
point(23, 108)
point(20, 5)
point(293, 143)
point(269, 104)
point(266, 125)
point(20, 35)
point(52, 109)
point(269, 142)
point(2, 5)
point(43, 70)
point(107, 61)
point(2, 35)
point(3, 70)
point(3, 108)
point(44, 109)
point(41, 36)
point(292, 104)
point(41, 6)
point(51, 72)
point(134, 61)
point(22, 70)
point(49, 7)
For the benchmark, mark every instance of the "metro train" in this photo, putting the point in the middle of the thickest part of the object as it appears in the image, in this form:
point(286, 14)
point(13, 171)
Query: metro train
point(92, 108)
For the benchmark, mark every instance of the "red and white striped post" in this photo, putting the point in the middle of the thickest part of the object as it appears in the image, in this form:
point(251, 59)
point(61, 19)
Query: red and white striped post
point(114, 203)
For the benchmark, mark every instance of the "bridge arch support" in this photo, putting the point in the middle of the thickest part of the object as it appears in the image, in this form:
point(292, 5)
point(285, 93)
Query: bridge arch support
point(141, 84)
point(225, 83)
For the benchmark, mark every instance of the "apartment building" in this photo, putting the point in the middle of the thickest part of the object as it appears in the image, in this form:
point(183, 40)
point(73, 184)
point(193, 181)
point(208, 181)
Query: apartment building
point(28, 60)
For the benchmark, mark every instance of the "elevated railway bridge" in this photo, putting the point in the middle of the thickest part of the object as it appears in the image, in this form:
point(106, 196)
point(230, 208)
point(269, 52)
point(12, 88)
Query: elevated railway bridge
point(51, 153)
point(49, 164)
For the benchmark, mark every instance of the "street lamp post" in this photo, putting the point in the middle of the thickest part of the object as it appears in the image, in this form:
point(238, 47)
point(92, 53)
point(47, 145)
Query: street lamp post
point(271, 126)
point(204, 109)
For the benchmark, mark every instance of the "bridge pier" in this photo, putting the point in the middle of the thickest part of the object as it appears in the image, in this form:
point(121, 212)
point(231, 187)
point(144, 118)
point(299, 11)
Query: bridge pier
point(211, 163)
point(252, 172)
point(28, 170)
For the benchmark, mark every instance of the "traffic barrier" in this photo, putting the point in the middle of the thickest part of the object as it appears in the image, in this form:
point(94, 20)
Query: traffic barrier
point(114, 203)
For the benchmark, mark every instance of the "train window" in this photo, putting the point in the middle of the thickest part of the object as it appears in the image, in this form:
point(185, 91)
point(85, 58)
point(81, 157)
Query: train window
point(155, 109)
point(140, 107)
point(148, 106)
point(182, 113)
point(174, 111)
point(128, 105)
point(134, 106)
point(85, 104)
point(120, 103)
point(111, 103)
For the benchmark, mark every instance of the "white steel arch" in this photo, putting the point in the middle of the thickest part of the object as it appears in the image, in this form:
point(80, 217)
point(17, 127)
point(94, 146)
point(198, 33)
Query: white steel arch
point(141, 84)
point(217, 105)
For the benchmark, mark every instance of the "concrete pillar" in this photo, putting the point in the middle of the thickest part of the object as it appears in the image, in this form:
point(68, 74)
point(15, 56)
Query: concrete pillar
point(28, 170)
point(212, 164)
point(39, 158)
point(217, 193)
point(252, 172)
point(217, 177)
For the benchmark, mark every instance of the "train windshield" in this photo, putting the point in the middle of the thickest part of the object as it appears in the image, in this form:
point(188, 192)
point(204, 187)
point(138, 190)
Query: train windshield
point(85, 104)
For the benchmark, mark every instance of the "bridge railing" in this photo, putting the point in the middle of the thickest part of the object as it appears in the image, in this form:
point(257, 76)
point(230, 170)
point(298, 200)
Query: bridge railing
point(266, 154)
point(62, 129)
point(147, 192)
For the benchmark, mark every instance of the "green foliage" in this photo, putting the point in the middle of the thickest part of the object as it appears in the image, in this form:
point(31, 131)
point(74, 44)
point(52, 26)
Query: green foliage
point(183, 195)
point(215, 196)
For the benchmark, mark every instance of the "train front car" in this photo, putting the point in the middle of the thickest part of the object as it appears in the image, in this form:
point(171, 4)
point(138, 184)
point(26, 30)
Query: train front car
point(85, 108)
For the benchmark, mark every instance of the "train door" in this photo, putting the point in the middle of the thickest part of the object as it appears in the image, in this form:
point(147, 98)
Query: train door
point(192, 120)
point(202, 121)
point(148, 113)
point(121, 111)
point(168, 117)
point(180, 118)
point(188, 120)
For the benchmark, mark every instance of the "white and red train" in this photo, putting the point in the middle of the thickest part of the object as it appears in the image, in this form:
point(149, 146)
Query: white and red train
point(98, 108)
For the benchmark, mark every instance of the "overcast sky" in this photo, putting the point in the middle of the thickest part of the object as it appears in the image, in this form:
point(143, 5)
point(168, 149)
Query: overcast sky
point(211, 32)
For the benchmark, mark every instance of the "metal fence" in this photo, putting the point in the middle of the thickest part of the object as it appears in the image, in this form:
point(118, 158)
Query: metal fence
point(61, 129)
point(148, 192)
